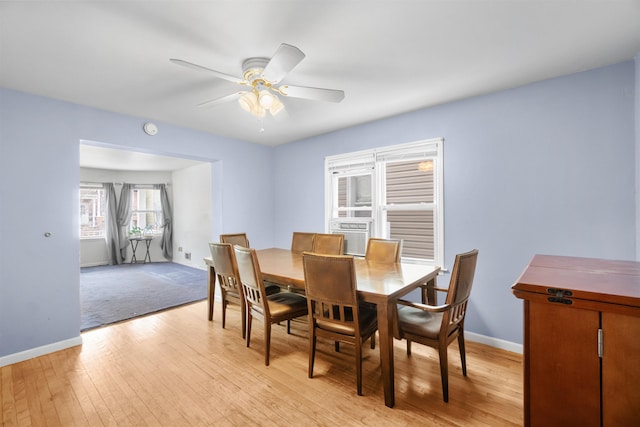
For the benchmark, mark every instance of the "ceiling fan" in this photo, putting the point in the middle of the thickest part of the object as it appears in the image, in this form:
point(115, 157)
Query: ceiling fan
point(262, 76)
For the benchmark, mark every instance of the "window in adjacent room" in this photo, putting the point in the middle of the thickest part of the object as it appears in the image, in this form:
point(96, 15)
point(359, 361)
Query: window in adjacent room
point(399, 188)
point(146, 209)
point(92, 212)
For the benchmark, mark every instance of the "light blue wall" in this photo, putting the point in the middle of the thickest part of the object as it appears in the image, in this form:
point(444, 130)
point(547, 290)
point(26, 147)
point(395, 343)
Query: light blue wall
point(39, 180)
point(545, 168)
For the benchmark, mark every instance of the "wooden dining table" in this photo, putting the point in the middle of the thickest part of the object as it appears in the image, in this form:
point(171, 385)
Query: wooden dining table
point(378, 283)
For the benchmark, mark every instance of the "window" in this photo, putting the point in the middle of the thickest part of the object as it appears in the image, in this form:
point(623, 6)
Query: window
point(92, 212)
point(399, 188)
point(146, 209)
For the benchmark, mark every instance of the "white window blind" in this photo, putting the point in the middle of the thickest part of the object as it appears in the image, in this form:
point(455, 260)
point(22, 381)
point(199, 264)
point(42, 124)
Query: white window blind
point(405, 199)
point(410, 206)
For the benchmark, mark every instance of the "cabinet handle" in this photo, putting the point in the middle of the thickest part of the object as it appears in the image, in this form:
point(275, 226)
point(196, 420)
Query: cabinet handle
point(600, 343)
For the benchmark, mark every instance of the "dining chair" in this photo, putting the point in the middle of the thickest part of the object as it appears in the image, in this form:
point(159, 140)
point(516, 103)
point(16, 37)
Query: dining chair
point(239, 239)
point(226, 268)
point(438, 326)
point(328, 244)
point(334, 309)
point(301, 242)
point(270, 309)
point(383, 250)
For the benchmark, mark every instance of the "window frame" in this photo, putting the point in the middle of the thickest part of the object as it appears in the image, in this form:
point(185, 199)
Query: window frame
point(137, 187)
point(374, 161)
point(102, 203)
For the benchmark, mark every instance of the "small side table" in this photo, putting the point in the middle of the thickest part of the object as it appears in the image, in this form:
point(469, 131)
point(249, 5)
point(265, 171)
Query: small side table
point(134, 245)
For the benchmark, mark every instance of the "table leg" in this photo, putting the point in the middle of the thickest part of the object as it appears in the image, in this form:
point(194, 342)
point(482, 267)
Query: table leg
point(385, 332)
point(212, 290)
point(134, 246)
point(429, 292)
point(147, 254)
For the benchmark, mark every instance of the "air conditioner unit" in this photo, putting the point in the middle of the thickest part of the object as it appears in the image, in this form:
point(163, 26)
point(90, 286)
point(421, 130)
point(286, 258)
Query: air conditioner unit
point(356, 234)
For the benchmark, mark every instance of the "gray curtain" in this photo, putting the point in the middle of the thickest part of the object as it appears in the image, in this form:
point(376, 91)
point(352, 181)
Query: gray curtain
point(112, 235)
point(124, 218)
point(167, 233)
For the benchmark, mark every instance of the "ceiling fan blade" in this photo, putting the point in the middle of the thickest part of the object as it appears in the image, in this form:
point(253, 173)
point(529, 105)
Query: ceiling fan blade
point(201, 68)
point(226, 98)
point(283, 61)
point(314, 93)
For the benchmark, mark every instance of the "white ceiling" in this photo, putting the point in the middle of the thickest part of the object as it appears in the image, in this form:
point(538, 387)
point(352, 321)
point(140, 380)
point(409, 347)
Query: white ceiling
point(389, 57)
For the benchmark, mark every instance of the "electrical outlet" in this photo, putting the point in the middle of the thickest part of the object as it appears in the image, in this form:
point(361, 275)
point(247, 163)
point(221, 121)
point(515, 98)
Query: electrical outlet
point(179, 248)
point(187, 255)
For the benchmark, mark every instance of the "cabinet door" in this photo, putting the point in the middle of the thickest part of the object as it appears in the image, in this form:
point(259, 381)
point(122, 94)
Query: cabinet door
point(620, 370)
point(563, 365)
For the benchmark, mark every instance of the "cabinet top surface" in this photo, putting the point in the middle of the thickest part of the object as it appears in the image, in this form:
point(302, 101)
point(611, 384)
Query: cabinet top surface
point(587, 278)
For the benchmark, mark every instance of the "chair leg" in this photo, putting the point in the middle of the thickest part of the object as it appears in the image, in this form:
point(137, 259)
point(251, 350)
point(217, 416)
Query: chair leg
point(288, 326)
point(267, 341)
point(312, 350)
point(408, 348)
point(463, 356)
point(211, 299)
point(442, 350)
point(359, 366)
point(224, 313)
point(243, 311)
point(249, 321)
point(373, 341)
point(337, 345)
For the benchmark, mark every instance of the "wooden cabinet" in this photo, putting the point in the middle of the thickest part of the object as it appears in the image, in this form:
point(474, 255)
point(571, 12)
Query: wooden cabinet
point(581, 341)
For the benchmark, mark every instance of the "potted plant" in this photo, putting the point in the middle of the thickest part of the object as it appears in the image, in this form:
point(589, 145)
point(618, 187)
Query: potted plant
point(135, 232)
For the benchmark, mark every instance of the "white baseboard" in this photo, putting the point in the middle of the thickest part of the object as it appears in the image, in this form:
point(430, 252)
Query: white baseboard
point(198, 266)
point(494, 342)
point(39, 351)
point(94, 264)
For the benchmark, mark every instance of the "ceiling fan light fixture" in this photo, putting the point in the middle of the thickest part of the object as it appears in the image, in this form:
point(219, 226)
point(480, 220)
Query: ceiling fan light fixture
point(276, 107)
point(248, 101)
point(266, 99)
point(259, 111)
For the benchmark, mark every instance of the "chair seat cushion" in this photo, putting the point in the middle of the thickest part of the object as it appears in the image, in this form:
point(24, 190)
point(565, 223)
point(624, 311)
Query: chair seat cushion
point(367, 317)
point(286, 302)
point(271, 288)
point(419, 322)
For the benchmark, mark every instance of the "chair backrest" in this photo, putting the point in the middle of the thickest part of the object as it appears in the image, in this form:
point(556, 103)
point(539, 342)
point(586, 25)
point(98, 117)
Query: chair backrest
point(251, 279)
point(328, 244)
point(330, 284)
point(464, 268)
point(383, 250)
point(302, 242)
point(239, 239)
point(224, 263)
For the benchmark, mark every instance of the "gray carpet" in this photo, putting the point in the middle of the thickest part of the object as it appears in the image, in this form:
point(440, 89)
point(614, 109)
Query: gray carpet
point(109, 294)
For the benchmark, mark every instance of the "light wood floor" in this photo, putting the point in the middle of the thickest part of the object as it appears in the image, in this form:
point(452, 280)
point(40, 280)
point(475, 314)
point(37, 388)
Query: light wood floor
point(177, 369)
